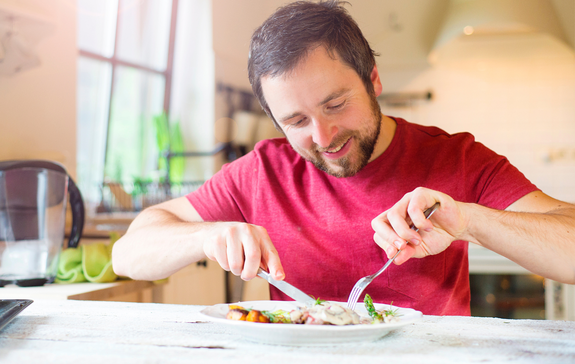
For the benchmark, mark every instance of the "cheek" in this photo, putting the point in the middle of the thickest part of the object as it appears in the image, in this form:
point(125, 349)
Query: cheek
point(300, 139)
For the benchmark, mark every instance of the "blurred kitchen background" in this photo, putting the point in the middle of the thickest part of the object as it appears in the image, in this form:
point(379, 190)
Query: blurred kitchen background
point(143, 100)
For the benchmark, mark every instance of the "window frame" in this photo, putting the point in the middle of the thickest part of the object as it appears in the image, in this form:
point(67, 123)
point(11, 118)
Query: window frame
point(116, 62)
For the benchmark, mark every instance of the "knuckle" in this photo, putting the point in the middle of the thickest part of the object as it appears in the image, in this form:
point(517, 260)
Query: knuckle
point(260, 230)
point(229, 232)
point(418, 190)
point(236, 267)
point(252, 255)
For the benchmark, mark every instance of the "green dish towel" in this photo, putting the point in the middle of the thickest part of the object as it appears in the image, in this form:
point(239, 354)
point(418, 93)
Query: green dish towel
point(87, 263)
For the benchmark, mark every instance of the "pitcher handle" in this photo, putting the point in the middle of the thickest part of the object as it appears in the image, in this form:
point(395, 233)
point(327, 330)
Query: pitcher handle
point(78, 213)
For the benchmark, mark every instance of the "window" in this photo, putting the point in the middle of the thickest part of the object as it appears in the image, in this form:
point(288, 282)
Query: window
point(126, 52)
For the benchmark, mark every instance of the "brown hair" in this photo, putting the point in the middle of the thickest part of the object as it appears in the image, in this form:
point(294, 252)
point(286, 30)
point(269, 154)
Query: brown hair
point(287, 36)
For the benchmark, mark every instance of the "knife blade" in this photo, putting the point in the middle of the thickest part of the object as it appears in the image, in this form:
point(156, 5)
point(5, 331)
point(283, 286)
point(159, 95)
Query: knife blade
point(288, 289)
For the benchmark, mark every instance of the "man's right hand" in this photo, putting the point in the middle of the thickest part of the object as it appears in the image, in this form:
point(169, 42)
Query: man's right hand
point(185, 238)
point(242, 248)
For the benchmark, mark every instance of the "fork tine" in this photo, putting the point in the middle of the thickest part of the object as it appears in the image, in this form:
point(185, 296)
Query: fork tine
point(355, 297)
point(355, 293)
point(351, 304)
point(351, 299)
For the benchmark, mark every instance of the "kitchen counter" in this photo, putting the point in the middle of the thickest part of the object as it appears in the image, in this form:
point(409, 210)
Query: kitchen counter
point(113, 291)
point(118, 332)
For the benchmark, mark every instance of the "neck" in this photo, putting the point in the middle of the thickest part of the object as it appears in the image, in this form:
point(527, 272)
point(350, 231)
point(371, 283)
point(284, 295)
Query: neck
point(388, 126)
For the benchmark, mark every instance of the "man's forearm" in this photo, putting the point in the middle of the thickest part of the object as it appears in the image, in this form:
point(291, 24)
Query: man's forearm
point(157, 245)
point(543, 243)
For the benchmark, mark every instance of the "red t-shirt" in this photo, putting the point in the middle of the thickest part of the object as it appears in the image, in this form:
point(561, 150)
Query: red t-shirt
point(321, 225)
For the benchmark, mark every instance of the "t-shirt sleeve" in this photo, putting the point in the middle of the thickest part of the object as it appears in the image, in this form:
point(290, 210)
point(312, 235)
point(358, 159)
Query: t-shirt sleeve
point(500, 183)
point(225, 196)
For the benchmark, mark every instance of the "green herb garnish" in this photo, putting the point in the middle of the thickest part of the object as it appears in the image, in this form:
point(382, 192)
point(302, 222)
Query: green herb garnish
point(318, 301)
point(390, 312)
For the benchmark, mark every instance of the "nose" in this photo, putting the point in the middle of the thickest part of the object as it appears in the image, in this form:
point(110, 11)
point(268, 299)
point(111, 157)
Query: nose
point(323, 132)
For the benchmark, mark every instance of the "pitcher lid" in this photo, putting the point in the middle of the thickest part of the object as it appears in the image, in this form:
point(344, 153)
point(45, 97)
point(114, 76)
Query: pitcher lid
point(32, 163)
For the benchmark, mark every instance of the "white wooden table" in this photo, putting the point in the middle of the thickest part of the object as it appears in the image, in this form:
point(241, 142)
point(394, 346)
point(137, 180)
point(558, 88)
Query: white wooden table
point(55, 331)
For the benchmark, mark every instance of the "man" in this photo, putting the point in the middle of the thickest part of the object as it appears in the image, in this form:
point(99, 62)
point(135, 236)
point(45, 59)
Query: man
point(309, 208)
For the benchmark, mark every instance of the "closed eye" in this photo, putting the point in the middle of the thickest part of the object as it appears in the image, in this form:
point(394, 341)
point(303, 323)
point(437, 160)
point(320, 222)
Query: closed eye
point(335, 107)
point(298, 123)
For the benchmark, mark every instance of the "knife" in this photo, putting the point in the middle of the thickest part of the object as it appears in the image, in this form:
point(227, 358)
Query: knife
point(288, 289)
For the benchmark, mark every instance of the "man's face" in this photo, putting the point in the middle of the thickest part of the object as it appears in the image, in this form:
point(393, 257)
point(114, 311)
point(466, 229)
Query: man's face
point(326, 113)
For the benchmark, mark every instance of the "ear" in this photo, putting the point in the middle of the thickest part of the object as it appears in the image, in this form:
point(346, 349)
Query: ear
point(376, 81)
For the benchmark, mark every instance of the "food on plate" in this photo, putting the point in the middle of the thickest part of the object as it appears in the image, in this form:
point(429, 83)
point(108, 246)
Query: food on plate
point(385, 316)
point(322, 313)
point(238, 314)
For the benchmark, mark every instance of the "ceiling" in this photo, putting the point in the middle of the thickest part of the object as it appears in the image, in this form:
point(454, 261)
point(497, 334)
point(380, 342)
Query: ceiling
point(402, 32)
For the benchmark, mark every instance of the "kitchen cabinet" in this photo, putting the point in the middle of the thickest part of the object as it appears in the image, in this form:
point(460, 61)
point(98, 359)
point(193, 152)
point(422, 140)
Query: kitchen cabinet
point(558, 298)
point(256, 289)
point(201, 283)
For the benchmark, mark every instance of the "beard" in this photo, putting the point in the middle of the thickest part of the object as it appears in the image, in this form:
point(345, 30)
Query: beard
point(366, 139)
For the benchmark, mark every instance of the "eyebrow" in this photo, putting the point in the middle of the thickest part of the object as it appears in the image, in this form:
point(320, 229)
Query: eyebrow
point(333, 95)
point(328, 98)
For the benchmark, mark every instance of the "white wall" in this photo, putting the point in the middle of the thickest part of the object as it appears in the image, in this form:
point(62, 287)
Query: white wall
point(233, 24)
point(38, 106)
point(525, 112)
point(523, 107)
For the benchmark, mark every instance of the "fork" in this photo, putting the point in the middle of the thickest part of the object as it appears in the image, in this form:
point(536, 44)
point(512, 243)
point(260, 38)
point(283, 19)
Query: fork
point(365, 281)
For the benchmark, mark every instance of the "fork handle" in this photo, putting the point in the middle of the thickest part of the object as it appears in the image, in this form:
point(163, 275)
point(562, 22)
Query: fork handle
point(386, 264)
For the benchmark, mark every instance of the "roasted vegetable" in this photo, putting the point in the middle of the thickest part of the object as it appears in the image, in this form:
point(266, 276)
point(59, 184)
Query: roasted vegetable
point(231, 307)
point(257, 316)
point(238, 314)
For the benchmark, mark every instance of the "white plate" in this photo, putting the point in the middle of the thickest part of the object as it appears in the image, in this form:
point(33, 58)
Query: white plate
point(289, 334)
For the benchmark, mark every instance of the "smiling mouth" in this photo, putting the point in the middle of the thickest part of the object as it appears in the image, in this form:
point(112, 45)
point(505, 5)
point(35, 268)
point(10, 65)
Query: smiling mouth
point(337, 149)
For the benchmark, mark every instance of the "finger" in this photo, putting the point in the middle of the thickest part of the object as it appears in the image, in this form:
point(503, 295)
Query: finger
point(402, 234)
point(405, 254)
point(275, 266)
point(388, 248)
point(407, 216)
point(218, 252)
point(252, 258)
point(417, 215)
point(389, 227)
point(399, 220)
point(271, 259)
point(384, 230)
point(235, 251)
